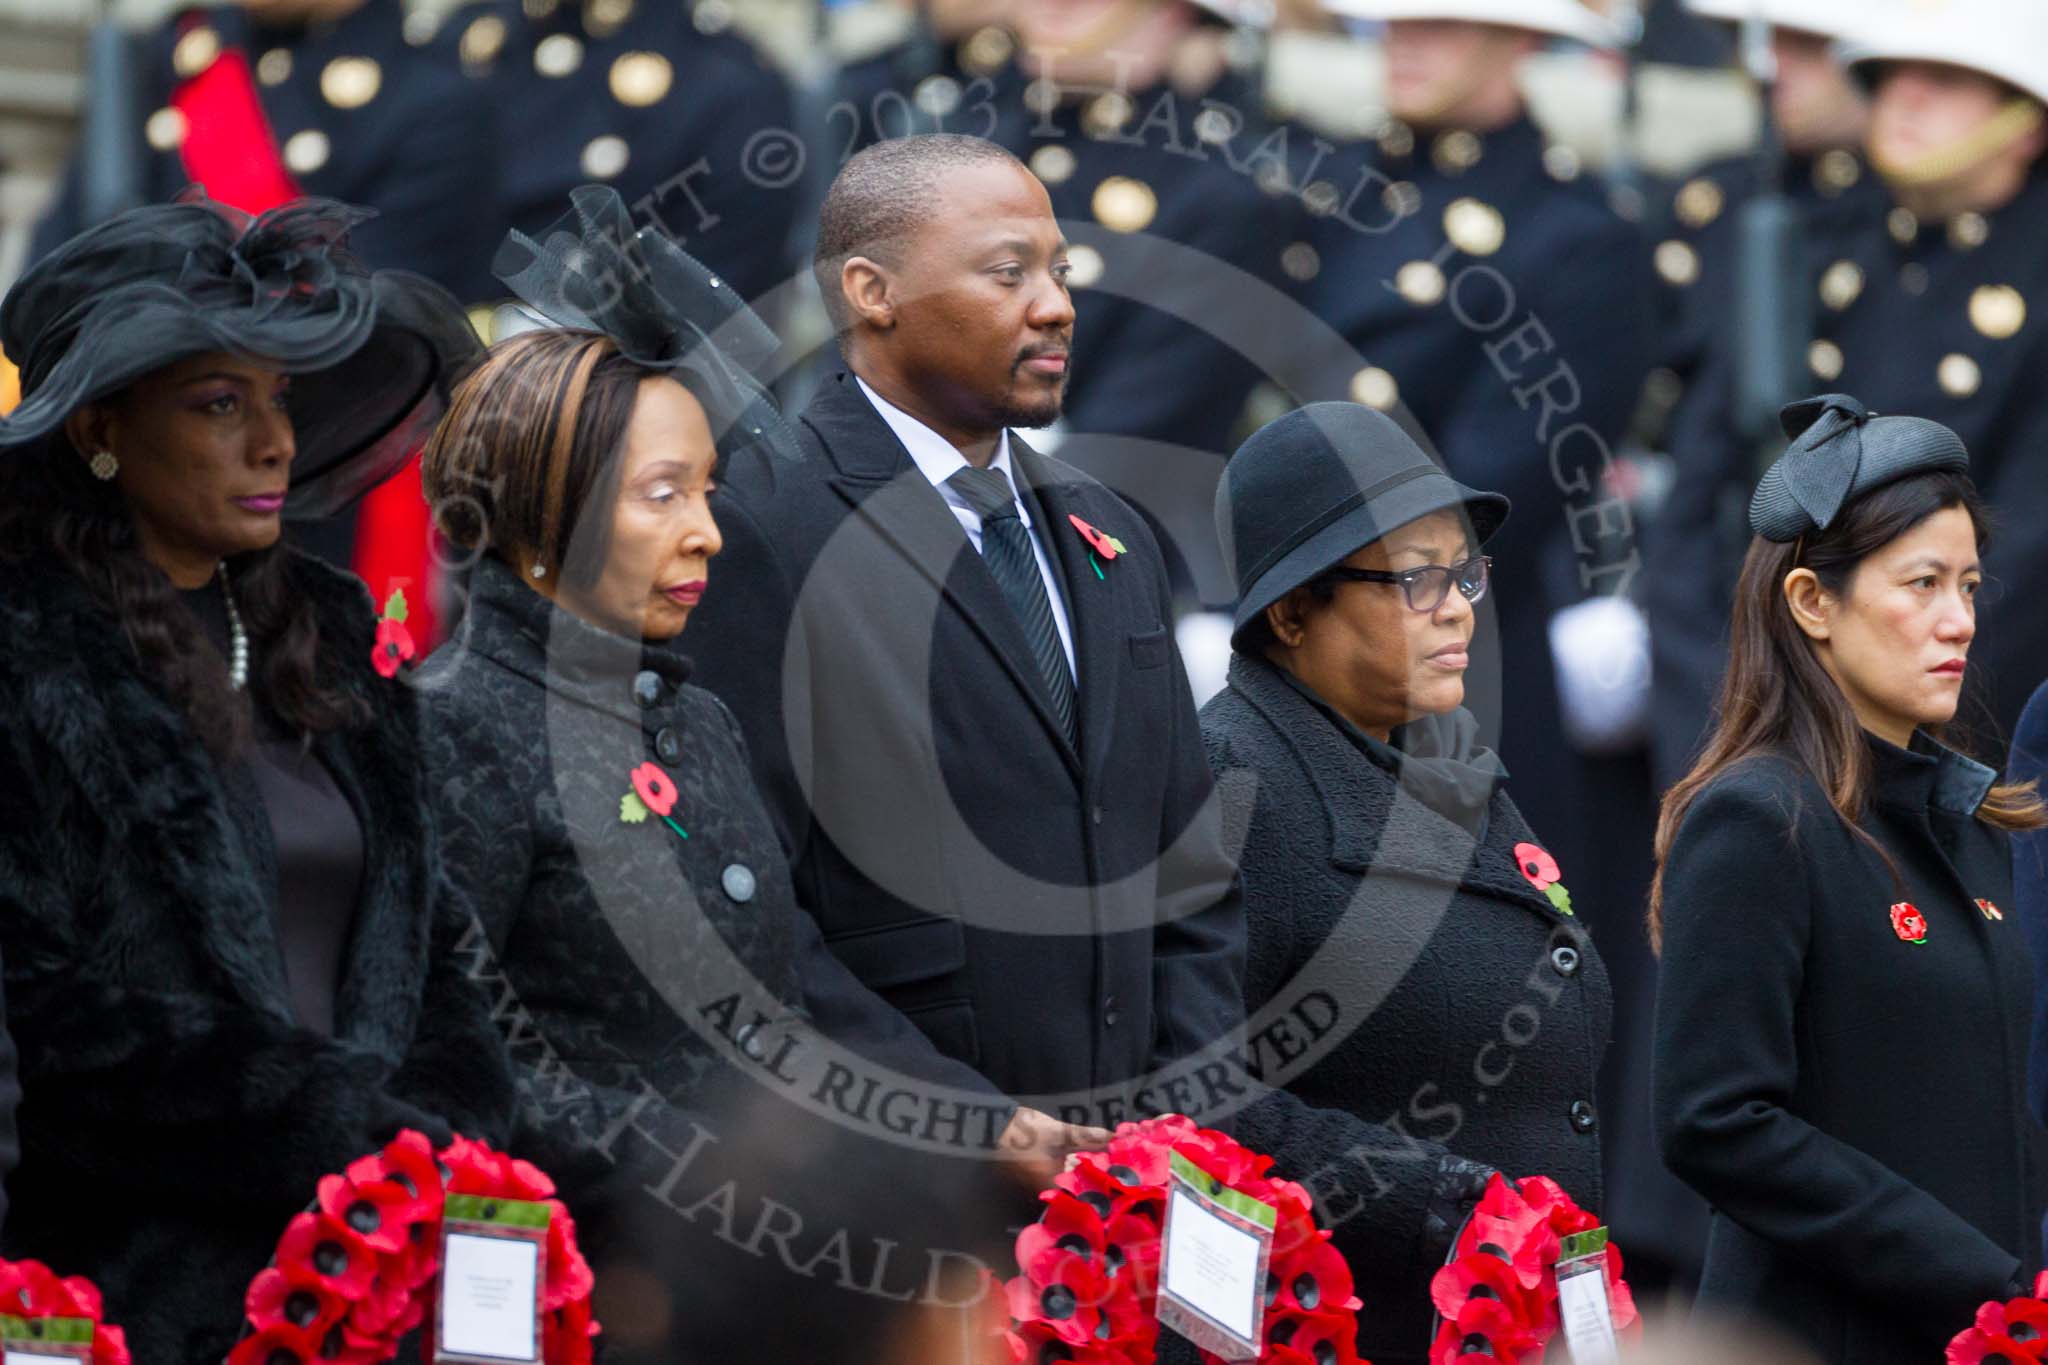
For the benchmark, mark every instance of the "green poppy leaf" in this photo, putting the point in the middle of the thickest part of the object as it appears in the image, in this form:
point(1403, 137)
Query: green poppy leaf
point(1559, 897)
point(632, 810)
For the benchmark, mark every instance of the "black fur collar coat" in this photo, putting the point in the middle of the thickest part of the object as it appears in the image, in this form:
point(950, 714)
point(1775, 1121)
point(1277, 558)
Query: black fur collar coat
point(175, 1115)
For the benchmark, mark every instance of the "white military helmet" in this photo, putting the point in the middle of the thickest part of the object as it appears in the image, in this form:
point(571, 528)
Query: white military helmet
point(1993, 37)
point(1559, 18)
point(1829, 18)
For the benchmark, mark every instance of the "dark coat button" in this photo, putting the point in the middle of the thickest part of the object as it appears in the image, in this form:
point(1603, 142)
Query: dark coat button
point(1095, 814)
point(1112, 1012)
point(738, 880)
point(647, 687)
point(1566, 959)
point(668, 746)
point(1583, 1118)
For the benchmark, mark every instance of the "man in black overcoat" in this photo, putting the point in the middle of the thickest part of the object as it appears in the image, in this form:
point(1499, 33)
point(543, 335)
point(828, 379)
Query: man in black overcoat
point(953, 661)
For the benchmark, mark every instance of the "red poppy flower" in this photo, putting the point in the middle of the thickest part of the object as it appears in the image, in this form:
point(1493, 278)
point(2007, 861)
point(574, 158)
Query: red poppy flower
point(1037, 1345)
point(1064, 1292)
point(1537, 865)
point(1973, 1346)
point(394, 646)
point(656, 791)
point(2041, 1285)
point(1328, 1337)
point(375, 1211)
point(1313, 1278)
point(38, 1291)
point(566, 1334)
point(280, 1339)
point(2026, 1320)
point(1106, 546)
point(1479, 1277)
point(325, 1245)
point(1990, 911)
point(296, 1297)
point(1908, 923)
point(568, 1276)
point(407, 1161)
point(474, 1168)
point(1454, 1347)
point(1066, 1226)
point(109, 1345)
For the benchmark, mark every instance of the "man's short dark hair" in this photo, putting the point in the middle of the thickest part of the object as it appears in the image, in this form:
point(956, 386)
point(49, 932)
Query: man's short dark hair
point(882, 196)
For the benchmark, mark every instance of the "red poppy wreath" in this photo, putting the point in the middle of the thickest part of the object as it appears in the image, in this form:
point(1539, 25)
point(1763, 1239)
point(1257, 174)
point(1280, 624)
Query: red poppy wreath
point(63, 1311)
point(357, 1272)
point(1497, 1299)
point(2013, 1331)
point(1089, 1291)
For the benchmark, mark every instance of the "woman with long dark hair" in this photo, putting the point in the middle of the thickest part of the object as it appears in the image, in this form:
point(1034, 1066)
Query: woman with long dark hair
point(1842, 1017)
point(224, 973)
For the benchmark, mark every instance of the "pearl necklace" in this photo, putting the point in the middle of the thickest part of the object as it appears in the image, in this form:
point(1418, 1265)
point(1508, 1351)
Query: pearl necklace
point(238, 661)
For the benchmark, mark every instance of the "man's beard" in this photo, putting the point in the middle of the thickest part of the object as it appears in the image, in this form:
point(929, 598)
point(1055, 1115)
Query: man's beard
point(1030, 414)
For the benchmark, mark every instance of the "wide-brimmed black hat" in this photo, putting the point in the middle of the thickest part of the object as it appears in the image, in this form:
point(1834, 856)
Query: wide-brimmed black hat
point(595, 269)
point(372, 355)
point(1841, 450)
point(1308, 489)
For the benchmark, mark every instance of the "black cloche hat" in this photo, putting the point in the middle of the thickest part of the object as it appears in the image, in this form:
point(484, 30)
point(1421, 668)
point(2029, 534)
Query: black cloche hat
point(373, 355)
point(1308, 489)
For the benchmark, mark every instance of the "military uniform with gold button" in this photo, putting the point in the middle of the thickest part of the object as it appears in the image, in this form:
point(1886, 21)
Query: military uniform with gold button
point(663, 101)
point(364, 108)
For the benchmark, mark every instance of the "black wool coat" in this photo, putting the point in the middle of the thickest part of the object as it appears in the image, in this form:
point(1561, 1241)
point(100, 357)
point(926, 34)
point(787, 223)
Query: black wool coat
point(1464, 1017)
point(1852, 1104)
point(1058, 918)
point(175, 1114)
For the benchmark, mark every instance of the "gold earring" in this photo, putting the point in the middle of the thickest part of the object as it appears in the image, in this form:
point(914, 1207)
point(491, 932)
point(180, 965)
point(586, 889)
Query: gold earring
point(103, 465)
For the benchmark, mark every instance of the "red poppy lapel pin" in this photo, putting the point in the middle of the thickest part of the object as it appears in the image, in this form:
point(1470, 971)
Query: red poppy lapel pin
point(654, 793)
point(1542, 871)
point(1909, 924)
point(394, 642)
point(1990, 911)
point(1099, 543)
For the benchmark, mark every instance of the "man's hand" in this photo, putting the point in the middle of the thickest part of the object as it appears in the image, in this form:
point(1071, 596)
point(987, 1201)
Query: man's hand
point(1036, 1145)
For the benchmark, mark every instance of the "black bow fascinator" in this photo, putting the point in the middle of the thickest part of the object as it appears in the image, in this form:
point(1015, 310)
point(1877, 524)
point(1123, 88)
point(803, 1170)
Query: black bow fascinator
point(595, 270)
point(1841, 450)
point(372, 356)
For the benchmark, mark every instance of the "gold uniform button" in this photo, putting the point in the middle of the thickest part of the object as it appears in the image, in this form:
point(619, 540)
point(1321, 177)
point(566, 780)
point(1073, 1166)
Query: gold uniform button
point(483, 40)
point(1841, 284)
point(196, 51)
point(1474, 228)
point(1677, 263)
point(639, 79)
point(1837, 170)
point(165, 129)
point(1319, 197)
point(1420, 282)
point(351, 82)
point(988, 50)
point(1562, 162)
point(1122, 204)
point(937, 96)
point(711, 16)
point(419, 26)
point(1968, 231)
point(538, 10)
point(1824, 358)
point(1216, 126)
point(1903, 224)
point(1042, 96)
point(1300, 261)
point(1699, 202)
point(1958, 375)
point(1998, 311)
point(1107, 113)
point(1084, 266)
point(1396, 139)
point(604, 157)
point(603, 18)
point(306, 152)
point(275, 66)
point(557, 55)
point(1375, 388)
point(1053, 164)
point(1402, 198)
point(1456, 151)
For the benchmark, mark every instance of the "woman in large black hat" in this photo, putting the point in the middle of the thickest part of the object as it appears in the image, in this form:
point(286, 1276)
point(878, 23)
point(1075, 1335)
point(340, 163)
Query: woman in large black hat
point(602, 821)
point(1841, 1038)
point(1399, 911)
point(224, 972)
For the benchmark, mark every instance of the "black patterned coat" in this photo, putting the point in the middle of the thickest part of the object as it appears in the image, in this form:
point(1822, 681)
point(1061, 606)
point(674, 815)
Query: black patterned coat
point(175, 1115)
point(1471, 1015)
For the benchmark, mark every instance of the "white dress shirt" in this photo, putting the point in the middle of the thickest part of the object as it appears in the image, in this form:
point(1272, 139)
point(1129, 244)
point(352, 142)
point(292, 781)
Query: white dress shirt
point(938, 460)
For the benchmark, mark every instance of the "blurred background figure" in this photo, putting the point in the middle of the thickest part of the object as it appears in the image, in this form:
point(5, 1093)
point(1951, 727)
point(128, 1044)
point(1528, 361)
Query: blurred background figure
point(665, 102)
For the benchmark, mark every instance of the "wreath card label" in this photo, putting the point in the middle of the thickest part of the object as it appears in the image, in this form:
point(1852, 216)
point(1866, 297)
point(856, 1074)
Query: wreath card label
point(1582, 1304)
point(1212, 1273)
point(493, 1264)
point(37, 1341)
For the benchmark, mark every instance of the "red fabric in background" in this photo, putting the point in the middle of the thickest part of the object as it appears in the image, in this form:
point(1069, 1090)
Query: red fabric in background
point(230, 148)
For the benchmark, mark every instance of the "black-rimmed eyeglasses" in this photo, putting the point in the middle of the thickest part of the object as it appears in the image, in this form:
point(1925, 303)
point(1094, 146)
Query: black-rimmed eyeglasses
point(1427, 587)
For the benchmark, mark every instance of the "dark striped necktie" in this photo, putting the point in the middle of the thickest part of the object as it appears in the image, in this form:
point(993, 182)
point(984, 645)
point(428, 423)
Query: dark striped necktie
point(1006, 550)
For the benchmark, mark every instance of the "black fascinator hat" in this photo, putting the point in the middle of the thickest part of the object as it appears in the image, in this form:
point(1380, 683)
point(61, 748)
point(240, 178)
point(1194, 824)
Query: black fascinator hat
point(373, 355)
point(594, 269)
point(1841, 450)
